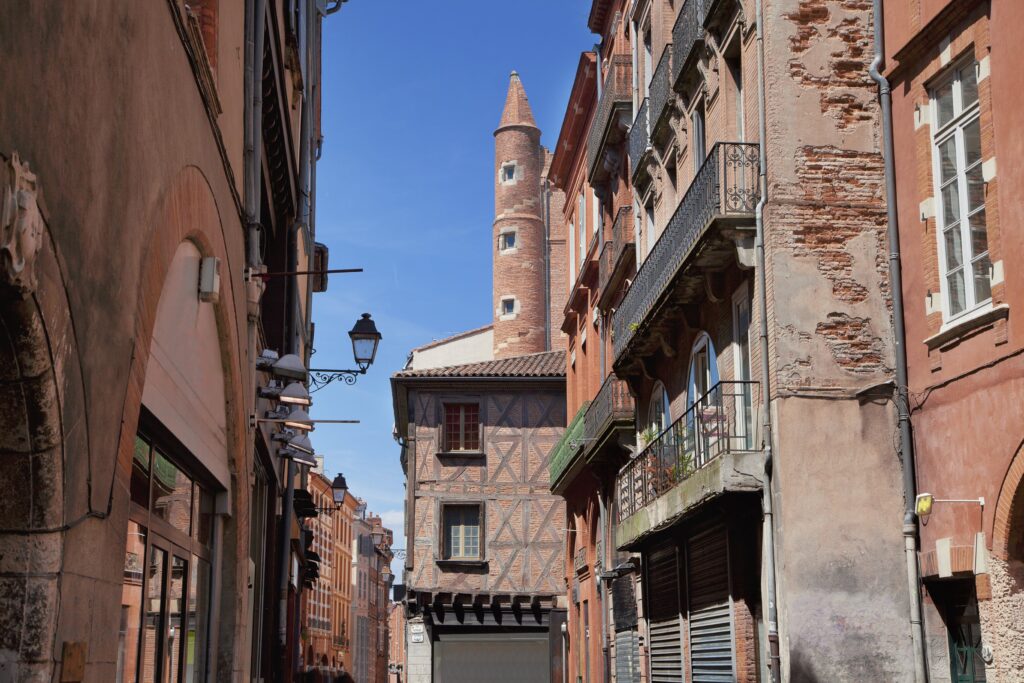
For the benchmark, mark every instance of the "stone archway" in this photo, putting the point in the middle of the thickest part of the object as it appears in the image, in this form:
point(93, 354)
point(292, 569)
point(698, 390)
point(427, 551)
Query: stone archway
point(32, 510)
point(1000, 614)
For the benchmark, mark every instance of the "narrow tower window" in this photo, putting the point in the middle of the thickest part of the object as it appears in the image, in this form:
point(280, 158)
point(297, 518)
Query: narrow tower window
point(508, 306)
point(507, 240)
point(507, 174)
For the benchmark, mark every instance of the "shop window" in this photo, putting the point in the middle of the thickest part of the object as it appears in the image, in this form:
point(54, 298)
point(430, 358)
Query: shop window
point(166, 579)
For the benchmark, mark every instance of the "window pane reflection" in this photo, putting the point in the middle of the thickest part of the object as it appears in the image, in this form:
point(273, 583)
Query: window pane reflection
point(152, 647)
point(175, 627)
point(172, 493)
point(140, 473)
point(198, 609)
point(131, 605)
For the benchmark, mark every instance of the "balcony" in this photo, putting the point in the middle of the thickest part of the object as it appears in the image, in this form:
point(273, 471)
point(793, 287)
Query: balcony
point(698, 239)
point(639, 140)
point(661, 90)
point(687, 33)
point(611, 119)
point(564, 456)
point(709, 451)
point(610, 414)
point(579, 560)
point(618, 258)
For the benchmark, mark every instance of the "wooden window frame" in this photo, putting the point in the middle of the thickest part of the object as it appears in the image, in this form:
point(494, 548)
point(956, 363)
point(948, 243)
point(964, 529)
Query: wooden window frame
point(445, 447)
point(442, 534)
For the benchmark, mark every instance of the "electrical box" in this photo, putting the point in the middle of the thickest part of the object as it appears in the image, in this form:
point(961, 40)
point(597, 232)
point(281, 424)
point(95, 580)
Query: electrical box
point(209, 279)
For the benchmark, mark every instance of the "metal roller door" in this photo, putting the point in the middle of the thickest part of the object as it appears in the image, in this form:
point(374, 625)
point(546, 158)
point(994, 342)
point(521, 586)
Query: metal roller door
point(665, 624)
point(710, 608)
point(492, 658)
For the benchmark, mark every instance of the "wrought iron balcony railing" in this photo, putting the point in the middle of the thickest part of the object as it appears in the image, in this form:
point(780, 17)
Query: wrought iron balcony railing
point(639, 139)
point(725, 185)
point(616, 256)
point(616, 97)
point(661, 87)
point(720, 421)
point(612, 404)
point(579, 560)
point(686, 34)
point(565, 451)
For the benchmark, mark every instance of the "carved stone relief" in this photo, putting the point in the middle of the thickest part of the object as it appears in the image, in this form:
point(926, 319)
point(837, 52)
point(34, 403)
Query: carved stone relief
point(21, 227)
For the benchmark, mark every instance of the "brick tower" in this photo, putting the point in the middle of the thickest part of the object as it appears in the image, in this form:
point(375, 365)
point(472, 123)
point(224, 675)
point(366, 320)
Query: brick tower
point(520, 249)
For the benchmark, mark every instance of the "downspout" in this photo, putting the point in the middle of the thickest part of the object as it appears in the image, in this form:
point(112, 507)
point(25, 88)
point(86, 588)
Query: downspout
point(768, 532)
point(602, 592)
point(900, 349)
point(546, 210)
point(255, 26)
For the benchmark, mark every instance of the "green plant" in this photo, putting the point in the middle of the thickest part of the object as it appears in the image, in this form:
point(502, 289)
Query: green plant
point(647, 436)
point(633, 327)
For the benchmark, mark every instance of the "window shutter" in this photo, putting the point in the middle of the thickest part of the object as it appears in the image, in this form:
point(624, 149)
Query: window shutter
point(666, 634)
point(710, 612)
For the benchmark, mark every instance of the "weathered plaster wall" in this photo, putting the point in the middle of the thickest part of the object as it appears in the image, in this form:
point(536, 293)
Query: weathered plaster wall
point(1002, 620)
point(110, 134)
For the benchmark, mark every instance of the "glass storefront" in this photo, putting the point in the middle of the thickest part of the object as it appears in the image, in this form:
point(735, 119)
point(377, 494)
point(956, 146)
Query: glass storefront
point(165, 601)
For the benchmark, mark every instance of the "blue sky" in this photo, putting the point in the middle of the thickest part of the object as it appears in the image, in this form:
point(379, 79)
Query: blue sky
point(412, 93)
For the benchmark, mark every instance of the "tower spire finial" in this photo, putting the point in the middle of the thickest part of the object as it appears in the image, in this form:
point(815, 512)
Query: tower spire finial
point(517, 110)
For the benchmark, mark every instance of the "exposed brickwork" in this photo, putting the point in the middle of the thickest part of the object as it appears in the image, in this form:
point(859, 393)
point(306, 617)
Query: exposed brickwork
point(518, 204)
point(842, 77)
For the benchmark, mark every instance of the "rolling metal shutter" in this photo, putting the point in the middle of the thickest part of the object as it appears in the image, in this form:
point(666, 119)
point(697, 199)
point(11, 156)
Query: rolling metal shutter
point(710, 613)
point(627, 657)
point(627, 640)
point(492, 658)
point(666, 642)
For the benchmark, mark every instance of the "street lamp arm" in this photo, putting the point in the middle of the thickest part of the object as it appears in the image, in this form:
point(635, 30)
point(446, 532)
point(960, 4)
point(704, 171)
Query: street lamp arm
point(320, 377)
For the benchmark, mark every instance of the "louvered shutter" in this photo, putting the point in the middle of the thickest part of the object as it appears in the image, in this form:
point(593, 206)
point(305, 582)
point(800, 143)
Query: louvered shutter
point(627, 640)
point(627, 656)
point(665, 632)
point(710, 609)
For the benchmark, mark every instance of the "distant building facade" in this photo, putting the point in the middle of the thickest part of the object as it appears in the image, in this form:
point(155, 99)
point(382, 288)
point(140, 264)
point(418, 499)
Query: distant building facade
point(591, 166)
point(483, 568)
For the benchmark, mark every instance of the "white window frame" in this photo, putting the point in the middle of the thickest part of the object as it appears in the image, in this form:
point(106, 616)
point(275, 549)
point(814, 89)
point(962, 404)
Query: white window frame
point(954, 129)
point(501, 241)
point(581, 219)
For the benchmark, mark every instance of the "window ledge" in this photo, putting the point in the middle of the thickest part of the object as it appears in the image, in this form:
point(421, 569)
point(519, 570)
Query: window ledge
point(461, 563)
point(461, 454)
point(965, 325)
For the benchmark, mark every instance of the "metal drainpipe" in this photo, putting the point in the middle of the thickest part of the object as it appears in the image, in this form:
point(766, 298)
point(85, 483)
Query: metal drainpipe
point(288, 502)
point(771, 589)
point(900, 349)
point(546, 210)
point(601, 586)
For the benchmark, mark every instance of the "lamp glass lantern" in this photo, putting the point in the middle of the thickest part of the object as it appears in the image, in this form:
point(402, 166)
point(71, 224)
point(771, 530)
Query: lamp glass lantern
point(339, 487)
point(365, 339)
point(377, 536)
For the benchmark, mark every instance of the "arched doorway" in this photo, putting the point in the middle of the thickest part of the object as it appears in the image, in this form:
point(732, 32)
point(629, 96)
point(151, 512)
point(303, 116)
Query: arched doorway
point(179, 483)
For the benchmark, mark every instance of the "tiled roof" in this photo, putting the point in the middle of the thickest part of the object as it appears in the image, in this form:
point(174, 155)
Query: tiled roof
point(547, 364)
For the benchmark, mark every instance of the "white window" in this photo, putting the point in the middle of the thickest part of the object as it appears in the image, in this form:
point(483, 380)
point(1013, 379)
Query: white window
point(649, 226)
point(508, 173)
point(648, 60)
point(581, 219)
point(960, 189)
point(508, 306)
point(598, 218)
point(507, 240)
point(697, 144)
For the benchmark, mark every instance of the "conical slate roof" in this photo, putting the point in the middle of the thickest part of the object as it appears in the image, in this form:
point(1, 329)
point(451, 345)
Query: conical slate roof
point(517, 107)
